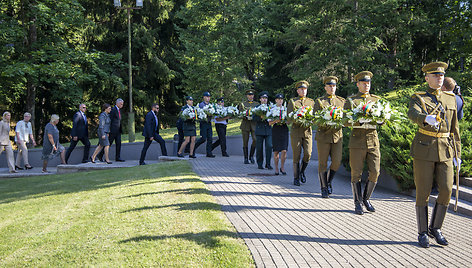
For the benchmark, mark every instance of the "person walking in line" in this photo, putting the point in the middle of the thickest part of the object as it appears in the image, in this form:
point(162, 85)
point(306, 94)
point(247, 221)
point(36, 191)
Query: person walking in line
point(364, 146)
point(5, 143)
point(104, 126)
point(220, 126)
point(151, 132)
point(51, 146)
point(206, 130)
point(436, 149)
point(300, 136)
point(115, 130)
point(23, 135)
point(329, 141)
point(79, 132)
point(263, 135)
point(248, 126)
point(190, 131)
point(279, 139)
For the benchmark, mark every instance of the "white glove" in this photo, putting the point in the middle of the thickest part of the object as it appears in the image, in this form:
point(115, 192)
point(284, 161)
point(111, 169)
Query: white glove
point(431, 120)
point(457, 163)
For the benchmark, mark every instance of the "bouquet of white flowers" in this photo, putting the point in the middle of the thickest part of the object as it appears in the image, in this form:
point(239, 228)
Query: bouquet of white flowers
point(260, 110)
point(303, 116)
point(210, 109)
point(193, 113)
point(375, 113)
point(232, 111)
point(220, 111)
point(329, 117)
point(277, 113)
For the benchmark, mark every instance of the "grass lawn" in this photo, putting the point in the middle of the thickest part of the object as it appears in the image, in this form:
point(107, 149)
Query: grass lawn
point(155, 215)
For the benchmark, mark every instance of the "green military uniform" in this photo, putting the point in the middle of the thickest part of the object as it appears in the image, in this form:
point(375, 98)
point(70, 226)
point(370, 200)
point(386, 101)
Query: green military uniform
point(364, 147)
point(300, 137)
point(248, 127)
point(432, 151)
point(329, 142)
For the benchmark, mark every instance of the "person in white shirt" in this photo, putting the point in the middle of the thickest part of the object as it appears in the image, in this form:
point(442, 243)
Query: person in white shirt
point(23, 135)
point(5, 141)
point(220, 125)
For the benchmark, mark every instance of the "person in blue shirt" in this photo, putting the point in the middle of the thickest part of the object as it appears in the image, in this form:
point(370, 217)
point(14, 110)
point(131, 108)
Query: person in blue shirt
point(205, 128)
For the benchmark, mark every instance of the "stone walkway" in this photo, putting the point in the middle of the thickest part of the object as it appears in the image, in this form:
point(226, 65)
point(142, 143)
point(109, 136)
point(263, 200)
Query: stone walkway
point(289, 226)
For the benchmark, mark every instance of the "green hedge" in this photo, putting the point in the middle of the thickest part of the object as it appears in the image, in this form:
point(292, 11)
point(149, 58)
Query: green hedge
point(395, 142)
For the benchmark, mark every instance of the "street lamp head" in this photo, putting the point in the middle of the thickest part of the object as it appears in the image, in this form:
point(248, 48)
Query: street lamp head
point(139, 3)
point(117, 3)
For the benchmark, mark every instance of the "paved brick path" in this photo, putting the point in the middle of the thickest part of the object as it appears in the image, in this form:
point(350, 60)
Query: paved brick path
point(288, 226)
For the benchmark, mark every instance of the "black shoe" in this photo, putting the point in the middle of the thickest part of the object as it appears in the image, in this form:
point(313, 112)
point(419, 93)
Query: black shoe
point(142, 164)
point(438, 236)
point(28, 167)
point(119, 160)
point(296, 181)
point(91, 160)
point(302, 172)
point(260, 167)
point(19, 168)
point(211, 155)
point(324, 193)
point(358, 209)
point(252, 160)
point(225, 155)
point(100, 159)
point(269, 167)
point(180, 155)
point(276, 173)
point(192, 156)
point(84, 161)
point(283, 172)
point(109, 163)
point(246, 161)
point(423, 240)
point(368, 205)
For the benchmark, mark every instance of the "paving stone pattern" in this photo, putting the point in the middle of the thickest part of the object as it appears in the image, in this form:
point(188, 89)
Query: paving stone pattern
point(288, 226)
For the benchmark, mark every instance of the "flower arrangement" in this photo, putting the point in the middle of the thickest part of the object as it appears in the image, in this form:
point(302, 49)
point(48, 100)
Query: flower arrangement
point(247, 114)
point(232, 111)
point(210, 109)
point(193, 113)
point(277, 113)
point(260, 110)
point(329, 117)
point(374, 113)
point(303, 116)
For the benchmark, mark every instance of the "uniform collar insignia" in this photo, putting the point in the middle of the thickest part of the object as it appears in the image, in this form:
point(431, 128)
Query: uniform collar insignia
point(365, 95)
point(330, 96)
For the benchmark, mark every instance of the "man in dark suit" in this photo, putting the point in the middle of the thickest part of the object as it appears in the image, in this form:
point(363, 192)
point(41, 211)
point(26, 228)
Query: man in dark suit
point(151, 132)
point(115, 130)
point(79, 133)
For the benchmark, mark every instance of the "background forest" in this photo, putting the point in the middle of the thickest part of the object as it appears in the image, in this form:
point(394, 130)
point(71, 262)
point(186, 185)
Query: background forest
point(55, 54)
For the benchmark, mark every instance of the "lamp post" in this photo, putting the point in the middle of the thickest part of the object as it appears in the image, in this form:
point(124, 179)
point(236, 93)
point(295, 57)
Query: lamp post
point(139, 5)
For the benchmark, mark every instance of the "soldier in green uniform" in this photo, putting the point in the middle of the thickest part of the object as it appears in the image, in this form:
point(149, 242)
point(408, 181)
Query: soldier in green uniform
point(300, 136)
point(329, 141)
point(248, 126)
point(364, 146)
point(435, 149)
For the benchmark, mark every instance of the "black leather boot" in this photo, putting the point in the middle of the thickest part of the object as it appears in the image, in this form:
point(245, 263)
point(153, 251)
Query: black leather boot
point(422, 221)
point(296, 174)
point(251, 154)
point(324, 184)
point(357, 194)
point(330, 179)
point(246, 159)
point(369, 188)
point(437, 219)
point(302, 172)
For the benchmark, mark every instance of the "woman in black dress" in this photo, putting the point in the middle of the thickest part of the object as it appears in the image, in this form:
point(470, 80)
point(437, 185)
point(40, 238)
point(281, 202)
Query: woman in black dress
point(190, 130)
point(279, 139)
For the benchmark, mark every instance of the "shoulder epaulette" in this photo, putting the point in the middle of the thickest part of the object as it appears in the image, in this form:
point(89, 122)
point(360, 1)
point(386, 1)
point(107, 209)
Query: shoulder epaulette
point(341, 98)
point(420, 93)
point(449, 93)
point(375, 96)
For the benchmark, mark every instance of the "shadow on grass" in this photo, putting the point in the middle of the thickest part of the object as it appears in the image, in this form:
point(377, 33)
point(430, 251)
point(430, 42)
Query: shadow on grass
point(177, 191)
point(209, 239)
point(182, 206)
point(35, 187)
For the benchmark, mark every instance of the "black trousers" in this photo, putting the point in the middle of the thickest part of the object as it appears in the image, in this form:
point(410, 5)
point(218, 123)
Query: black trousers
point(113, 137)
point(147, 143)
point(207, 136)
point(260, 139)
point(221, 131)
point(85, 141)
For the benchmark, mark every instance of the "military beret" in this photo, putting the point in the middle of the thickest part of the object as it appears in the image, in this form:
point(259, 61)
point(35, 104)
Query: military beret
point(363, 76)
point(279, 96)
point(435, 68)
point(206, 94)
point(249, 92)
point(188, 98)
point(220, 99)
point(264, 94)
point(302, 83)
point(330, 80)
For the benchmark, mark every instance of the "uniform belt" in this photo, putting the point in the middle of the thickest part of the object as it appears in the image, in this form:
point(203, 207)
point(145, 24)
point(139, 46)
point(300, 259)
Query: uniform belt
point(365, 126)
point(434, 134)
